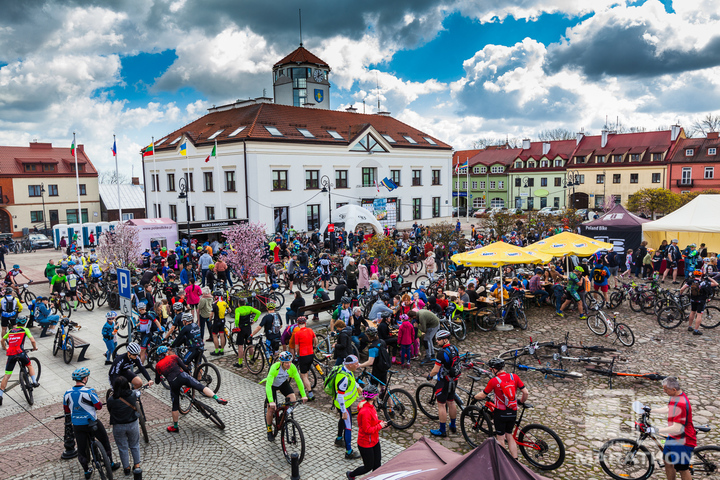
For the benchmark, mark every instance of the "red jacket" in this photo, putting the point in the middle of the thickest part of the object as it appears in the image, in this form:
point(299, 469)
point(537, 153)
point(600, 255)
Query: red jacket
point(368, 426)
point(406, 333)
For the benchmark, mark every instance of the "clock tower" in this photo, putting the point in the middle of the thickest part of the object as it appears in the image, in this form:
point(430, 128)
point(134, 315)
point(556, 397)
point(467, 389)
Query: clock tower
point(301, 78)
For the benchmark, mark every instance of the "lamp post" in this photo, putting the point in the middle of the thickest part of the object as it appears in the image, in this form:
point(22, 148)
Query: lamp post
point(183, 199)
point(325, 183)
point(573, 179)
point(42, 194)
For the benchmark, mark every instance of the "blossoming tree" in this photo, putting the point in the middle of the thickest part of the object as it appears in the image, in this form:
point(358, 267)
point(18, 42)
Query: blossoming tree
point(247, 245)
point(120, 247)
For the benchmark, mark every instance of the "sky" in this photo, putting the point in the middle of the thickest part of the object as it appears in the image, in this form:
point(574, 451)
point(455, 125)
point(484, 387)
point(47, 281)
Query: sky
point(459, 70)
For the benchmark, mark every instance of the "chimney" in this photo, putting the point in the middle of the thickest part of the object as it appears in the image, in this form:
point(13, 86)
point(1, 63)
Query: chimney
point(136, 180)
point(675, 132)
point(580, 136)
point(526, 144)
point(604, 141)
point(546, 147)
point(351, 109)
point(712, 135)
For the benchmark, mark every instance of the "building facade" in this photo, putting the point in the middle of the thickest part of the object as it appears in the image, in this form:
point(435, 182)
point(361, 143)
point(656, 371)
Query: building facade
point(487, 178)
point(38, 188)
point(693, 165)
point(131, 201)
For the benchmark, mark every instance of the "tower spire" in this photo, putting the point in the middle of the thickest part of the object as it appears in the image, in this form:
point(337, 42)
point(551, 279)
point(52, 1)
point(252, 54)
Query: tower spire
point(300, 18)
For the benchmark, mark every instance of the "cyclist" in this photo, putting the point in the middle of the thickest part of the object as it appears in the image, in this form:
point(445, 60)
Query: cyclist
point(279, 379)
point(9, 309)
point(58, 282)
point(191, 337)
point(176, 323)
point(82, 403)
point(575, 291)
point(243, 321)
point(177, 373)
point(11, 277)
point(15, 339)
point(505, 386)
point(378, 358)
point(109, 330)
point(220, 308)
point(71, 282)
point(304, 341)
point(700, 289)
point(347, 391)
point(446, 372)
point(126, 364)
point(147, 324)
point(272, 323)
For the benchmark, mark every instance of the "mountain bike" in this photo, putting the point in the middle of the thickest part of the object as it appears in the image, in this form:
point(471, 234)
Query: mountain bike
point(60, 305)
point(456, 326)
point(671, 317)
point(257, 354)
point(24, 381)
point(425, 392)
point(292, 439)
point(397, 404)
point(601, 324)
point(142, 420)
point(610, 372)
point(512, 312)
point(63, 339)
point(24, 293)
point(627, 459)
point(85, 299)
point(554, 372)
point(188, 402)
point(97, 455)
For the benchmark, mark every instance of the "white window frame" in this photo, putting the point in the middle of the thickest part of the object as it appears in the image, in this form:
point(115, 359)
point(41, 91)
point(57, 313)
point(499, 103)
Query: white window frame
point(711, 171)
point(492, 184)
point(712, 151)
point(483, 169)
point(689, 152)
point(476, 170)
point(482, 184)
point(474, 185)
point(558, 162)
point(501, 184)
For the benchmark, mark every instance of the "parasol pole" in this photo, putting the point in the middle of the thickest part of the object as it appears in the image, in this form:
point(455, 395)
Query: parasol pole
point(502, 327)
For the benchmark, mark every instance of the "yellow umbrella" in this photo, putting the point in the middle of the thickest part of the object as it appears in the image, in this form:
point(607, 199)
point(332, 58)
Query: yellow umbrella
point(498, 254)
point(568, 243)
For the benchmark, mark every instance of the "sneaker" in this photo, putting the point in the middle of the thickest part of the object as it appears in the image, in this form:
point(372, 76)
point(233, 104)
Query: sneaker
point(88, 473)
point(221, 353)
point(676, 283)
point(583, 317)
point(1, 400)
point(691, 329)
point(438, 433)
point(215, 354)
point(339, 442)
point(114, 466)
point(238, 365)
point(352, 455)
point(271, 437)
point(173, 429)
point(349, 476)
point(221, 401)
point(559, 314)
point(127, 471)
point(35, 385)
point(697, 332)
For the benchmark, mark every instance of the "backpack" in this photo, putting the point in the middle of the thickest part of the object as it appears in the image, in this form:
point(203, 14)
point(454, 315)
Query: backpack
point(509, 390)
point(585, 283)
point(598, 275)
point(10, 305)
point(382, 361)
point(695, 289)
point(329, 383)
point(453, 371)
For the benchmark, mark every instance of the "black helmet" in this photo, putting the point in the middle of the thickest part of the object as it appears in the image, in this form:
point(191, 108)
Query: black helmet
point(345, 300)
point(385, 297)
point(60, 271)
point(8, 291)
point(381, 278)
point(496, 363)
point(371, 332)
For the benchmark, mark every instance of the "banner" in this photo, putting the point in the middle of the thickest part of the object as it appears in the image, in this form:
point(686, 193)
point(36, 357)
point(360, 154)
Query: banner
point(380, 208)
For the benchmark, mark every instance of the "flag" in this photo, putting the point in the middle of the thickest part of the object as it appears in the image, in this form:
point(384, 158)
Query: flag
point(213, 154)
point(460, 166)
point(114, 149)
point(389, 184)
point(72, 148)
point(149, 151)
point(183, 149)
point(377, 186)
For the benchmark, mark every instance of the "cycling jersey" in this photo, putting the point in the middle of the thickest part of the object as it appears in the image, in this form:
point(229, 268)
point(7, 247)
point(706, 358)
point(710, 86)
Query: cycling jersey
point(146, 322)
point(278, 375)
point(190, 336)
point(169, 367)
point(504, 385)
point(303, 339)
point(82, 403)
point(9, 278)
point(71, 280)
point(243, 316)
point(680, 411)
point(123, 363)
point(16, 338)
point(272, 323)
point(95, 270)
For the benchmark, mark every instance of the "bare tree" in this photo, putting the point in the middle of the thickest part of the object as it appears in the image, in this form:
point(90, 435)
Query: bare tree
point(555, 134)
point(701, 127)
point(111, 177)
point(487, 142)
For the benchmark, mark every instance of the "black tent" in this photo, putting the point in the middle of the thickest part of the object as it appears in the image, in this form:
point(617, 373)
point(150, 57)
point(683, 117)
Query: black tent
point(619, 227)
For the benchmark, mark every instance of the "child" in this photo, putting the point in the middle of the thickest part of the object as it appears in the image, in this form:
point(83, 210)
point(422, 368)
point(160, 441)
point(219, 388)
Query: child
point(406, 339)
point(163, 311)
point(108, 333)
point(629, 263)
point(647, 263)
point(417, 301)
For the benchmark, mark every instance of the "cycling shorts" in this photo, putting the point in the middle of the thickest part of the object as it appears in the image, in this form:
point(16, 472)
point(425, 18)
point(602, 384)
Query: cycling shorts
point(21, 358)
point(8, 321)
point(218, 325)
point(146, 336)
point(242, 335)
point(445, 391)
point(573, 295)
point(305, 363)
point(284, 388)
point(182, 380)
point(677, 455)
point(697, 306)
point(325, 277)
point(504, 421)
point(193, 355)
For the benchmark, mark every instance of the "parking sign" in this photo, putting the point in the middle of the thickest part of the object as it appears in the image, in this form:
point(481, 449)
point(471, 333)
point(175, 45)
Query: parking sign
point(124, 283)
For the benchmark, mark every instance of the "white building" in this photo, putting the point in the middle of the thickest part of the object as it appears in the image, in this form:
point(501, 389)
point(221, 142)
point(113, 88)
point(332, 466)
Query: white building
point(272, 162)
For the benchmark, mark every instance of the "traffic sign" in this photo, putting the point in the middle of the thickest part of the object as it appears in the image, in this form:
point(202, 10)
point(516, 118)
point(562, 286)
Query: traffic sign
point(126, 307)
point(331, 227)
point(124, 283)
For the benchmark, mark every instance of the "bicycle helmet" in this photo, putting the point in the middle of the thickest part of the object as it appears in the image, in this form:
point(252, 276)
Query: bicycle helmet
point(345, 300)
point(381, 278)
point(187, 317)
point(274, 286)
point(370, 391)
point(60, 271)
point(142, 305)
point(211, 266)
point(177, 306)
point(16, 267)
point(302, 319)
point(69, 263)
point(270, 305)
point(161, 350)
point(442, 334)
point(80, 373)
point(579, 269)
point(285, 357)
point(218, 293)
point(133, 348)
point(371, 332)
point(496, 363)
point(111, 314)
point(697, 273)
point(8, 291)
point(20, 321)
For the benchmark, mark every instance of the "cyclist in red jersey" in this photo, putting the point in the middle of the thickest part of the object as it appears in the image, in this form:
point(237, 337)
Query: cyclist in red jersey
point(505, 386)
point(304, 341)
point(15, 340)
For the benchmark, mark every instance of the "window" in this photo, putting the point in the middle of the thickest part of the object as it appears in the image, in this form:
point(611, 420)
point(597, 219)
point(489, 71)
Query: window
point(214, 135)
point(617, 158)
point(497, 203)
point(395, 177)
point(712, 151)
point(580, 159)
point(531, 203)
point(616, 178)
point(580, 179)
point(81, 167)
point(492, 184)
point(543, 182)
point(313, 217)
point(496, 169)
point(231, 213)
point(128, 216)
point(52, 190)
point(686, 178)
point(35, 191)
point(633, 178)
point(161, 142)
point(618, 198)
point(709, 172)
point(478, 202)
point(341, 179)
point(456, 185)
point(483, 169)
point(531, 164)
point(544, 164)
point(306, 133)
point(280, 180)
point(518, 181)
point(155, 180)
point(72, 216)
point(600, 178)
point(171, 182)
point(176, 140)
point(531, 182)
point(634, 157)
point(689, 152)
point(543, 202)
point(158, 210)
point(476, 170)
point(209, 213)
point(335, 135)
point(82, 188)
point(36, 216)
point(230, 180)
point(273, 131)
point(556, 202)
point(312, 179)
point(558, 182)
point(367, 144)
point(388, 138)
point(599, 202)
point(417, 179)
point(436, 177)
point(189, 183)
point(368, 176)
point(417, 208)
point(657, 157)
point(655, 178)
point(48, 168)
point(208, 182)
point(518, 164)
point(464, 185)
point(436, 207)
point(501, 184)
point(192, 212)
point(482, 185)
point(409, 139)
point(558, 163)
point(600, 159)
point(30, 168)
point(431, 142)
point(173, 213)
point(474, 185)
point(236, 131)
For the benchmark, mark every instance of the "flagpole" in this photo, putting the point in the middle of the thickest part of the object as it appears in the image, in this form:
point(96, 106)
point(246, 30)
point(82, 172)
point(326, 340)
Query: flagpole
point(155, 184)
point(219, 185)
point(77, 185)
point(117, 177)
point(467, 193)
point(187, 187)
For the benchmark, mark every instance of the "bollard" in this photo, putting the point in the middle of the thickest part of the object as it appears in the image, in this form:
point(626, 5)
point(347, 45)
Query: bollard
point(294, 467)
point(69, 439)
point(137, 474)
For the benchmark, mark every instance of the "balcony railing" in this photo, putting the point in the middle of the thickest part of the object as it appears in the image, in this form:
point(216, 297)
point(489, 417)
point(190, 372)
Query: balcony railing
point(685, 183)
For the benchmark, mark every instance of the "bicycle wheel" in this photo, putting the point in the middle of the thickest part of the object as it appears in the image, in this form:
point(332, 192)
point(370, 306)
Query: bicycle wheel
point(485, 322)
point(305, 285)
point(278, 298)
point(710, 317)
point(425, 399)
point(254, 359)
point(422, 280)
point(541, 447)
point(647, 304)
point(209, 412)
point(625, 459)
point(38, 367)
point(143, 421)
point(121, 323)
point(399, 409)
point(521, 319)
point(312, 377)
point(209, 375)
point(69, 350)
point(616, 298)
point(186, 400)
point(635, 302)
point(322, 348)
point(670, 317)
point(101, 461)
point(58, 341)
point(594, 299)
point(27, 389)
point(596, 324)
point(101, 298)
point(475, 425)
point(292, 440)
point(29, 297)
point(119, 350)
point(625, 335)
point(88, 302)
point(229, 341)
point(705, 461)
point(459, 330)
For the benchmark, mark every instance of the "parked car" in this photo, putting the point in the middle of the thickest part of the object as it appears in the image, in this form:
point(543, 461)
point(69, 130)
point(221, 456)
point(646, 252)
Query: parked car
point(479, 212)
point(550, 211)
point(40, 241)
point(583, 213)
point(463, 211)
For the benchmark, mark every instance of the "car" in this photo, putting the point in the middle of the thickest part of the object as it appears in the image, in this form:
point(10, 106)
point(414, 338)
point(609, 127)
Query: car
point(479, 212)
point(556, 211)
point(40, 240)
point(583, 213)
point(463, 212)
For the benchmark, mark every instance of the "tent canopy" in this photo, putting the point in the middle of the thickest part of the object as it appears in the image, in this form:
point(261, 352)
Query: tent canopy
point(696, 222)
point(619, 227)
point(618, 217)
point(353, 216)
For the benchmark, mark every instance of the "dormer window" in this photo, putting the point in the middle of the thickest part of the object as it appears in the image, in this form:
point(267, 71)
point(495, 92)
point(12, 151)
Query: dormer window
point(496, 169)
point(689, 152)
point(30, 167)
point(617, 158)
point(712, 151)
point(657, 157)
point(518, 164)
point(483, 169)
point(476, 170)
point(544, 164)
point(634, 157)
point(558, 162)
point(531, 164)
point(600, 159)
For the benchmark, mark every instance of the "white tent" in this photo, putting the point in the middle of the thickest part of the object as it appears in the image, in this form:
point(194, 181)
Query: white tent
point(696, 222)
point(353, 216)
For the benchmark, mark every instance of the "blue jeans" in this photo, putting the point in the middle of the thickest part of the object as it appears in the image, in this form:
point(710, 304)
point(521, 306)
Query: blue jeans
point(405, 353)
point(49, 320)
point(543, 294)
point(110, 344)
point(204, 274)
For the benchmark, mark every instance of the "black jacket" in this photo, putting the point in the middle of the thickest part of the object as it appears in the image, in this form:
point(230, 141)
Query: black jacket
point(342, 346)
point(121, 413)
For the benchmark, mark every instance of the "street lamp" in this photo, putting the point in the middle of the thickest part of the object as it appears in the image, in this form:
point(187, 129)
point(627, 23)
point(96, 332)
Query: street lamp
point(42, 194)
point(325, 183)
point(184, 199)
point(573, 180)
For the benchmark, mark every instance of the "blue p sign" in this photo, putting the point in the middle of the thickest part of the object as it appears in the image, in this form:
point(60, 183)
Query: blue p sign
point(124, 282)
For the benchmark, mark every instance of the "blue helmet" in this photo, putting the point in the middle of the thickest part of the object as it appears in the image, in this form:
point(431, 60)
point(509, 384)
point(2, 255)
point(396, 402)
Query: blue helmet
point(80, 373)
point(162, 350)
point(21, 321)
point(285, 356)
point(111, 314)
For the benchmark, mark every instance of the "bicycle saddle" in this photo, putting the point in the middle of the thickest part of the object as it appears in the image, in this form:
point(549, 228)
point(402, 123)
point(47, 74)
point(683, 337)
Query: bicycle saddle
point(526, 405)
point(475, 379)
point(616, 313)
point(702, 428)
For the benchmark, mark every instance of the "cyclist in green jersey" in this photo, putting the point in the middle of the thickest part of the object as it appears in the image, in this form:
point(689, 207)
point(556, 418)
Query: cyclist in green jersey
point(243, 320)
point(279, 379)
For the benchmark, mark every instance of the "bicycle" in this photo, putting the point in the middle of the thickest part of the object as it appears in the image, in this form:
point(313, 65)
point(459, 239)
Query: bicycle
point(63, 339)
point(610, 372)
point(512, 311)
point(97, 455)
point(84, 298)
point(60, 305)
point(601, 324)
point(142, 420)
point(292, 439)
point(397, 404)
point(628, 459)
point(425, 392)
point(24, 381)
point(671, 317)
point(24, 293)
point(257, 353)
point(555, 372)
point(188, 402)
point(456, 326)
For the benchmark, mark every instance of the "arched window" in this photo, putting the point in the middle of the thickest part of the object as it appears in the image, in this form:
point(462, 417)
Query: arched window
point(497, 203)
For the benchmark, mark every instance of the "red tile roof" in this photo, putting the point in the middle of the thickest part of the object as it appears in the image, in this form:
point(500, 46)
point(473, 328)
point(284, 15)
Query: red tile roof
point(558, 148)
point(503, 156)
point(645, 143)
point(13, 160)
point(255, 117)
point(461, 155)
point(700, 148)
point(301, 55)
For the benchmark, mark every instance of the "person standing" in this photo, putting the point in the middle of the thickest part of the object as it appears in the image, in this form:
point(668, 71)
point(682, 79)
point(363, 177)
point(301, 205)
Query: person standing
point(304, 342)
point(673, 257)
point(122, 406)
point(446, 372)
point(192, 296)
point(369, 427)
point(700, 289)
point(205, 313)
point(347, 392)
point(428, 325)
point(204, 263)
